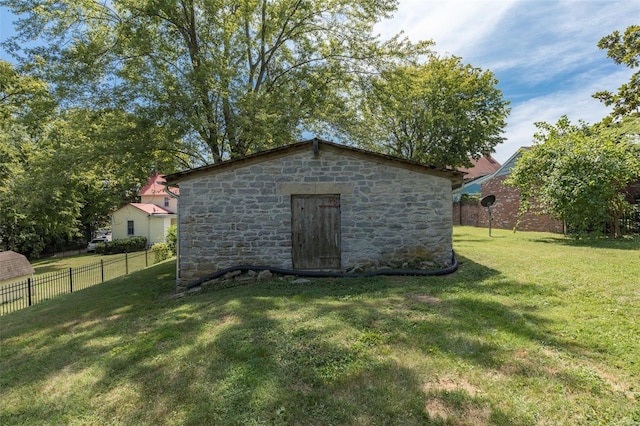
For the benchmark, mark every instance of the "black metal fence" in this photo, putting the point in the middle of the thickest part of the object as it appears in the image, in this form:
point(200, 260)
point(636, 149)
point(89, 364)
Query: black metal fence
point(630, 223)
point(21, 294)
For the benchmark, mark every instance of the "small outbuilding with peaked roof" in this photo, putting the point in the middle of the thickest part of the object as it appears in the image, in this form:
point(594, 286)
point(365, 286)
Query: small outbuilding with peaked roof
point(312, 205)
point(14, 267)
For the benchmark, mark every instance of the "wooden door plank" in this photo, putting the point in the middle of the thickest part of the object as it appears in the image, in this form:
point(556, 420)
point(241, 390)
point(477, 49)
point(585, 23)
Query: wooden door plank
point(315, 228)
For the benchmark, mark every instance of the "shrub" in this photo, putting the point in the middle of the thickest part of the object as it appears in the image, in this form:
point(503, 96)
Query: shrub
point(172, 239)
point(101, 248)
point(126, 245)
point(160, 251)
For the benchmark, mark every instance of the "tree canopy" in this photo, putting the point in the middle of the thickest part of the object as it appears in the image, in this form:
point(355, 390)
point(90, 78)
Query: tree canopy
point(232, 76)
point(577, 173)
point(623, 49)
point(112, 90)
point(62, 172)
point(441, 112)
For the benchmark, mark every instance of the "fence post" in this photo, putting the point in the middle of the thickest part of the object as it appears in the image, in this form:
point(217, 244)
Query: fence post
point(102, 269)
point(126, 263)
point(29, 289)
point(146, 258)
point(70, 280)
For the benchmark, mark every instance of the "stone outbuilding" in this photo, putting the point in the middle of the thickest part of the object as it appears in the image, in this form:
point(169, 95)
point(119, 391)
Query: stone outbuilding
point(312, 205)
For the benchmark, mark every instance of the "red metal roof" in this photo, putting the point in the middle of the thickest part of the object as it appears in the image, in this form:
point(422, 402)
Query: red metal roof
point(151, 208)
point(483, 166)
point(154, 186)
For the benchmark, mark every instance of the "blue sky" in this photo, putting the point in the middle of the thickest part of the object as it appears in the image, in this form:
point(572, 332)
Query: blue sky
point(543, 52)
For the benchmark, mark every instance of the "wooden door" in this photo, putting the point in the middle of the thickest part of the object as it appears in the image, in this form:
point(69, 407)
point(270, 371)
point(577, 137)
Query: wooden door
point(315, 231)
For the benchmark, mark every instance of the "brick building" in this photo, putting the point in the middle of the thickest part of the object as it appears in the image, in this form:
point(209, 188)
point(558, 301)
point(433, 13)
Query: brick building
point(505, 210)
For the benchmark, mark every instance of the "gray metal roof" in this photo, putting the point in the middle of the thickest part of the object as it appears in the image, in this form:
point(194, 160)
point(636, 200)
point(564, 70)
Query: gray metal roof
point(508, 165)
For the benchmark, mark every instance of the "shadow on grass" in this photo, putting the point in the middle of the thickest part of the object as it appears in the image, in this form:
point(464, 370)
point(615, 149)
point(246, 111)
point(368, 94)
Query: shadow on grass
point(624, 243)
point(348, 351)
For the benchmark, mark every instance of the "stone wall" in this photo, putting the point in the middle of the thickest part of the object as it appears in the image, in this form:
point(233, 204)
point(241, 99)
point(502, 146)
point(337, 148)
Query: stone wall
point(242, 215)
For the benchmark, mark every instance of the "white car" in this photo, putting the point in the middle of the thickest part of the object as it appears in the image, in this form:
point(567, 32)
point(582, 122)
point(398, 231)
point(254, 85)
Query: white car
point(91, 247)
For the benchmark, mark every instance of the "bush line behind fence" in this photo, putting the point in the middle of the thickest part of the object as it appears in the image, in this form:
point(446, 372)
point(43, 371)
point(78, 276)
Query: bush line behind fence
point(21, 294)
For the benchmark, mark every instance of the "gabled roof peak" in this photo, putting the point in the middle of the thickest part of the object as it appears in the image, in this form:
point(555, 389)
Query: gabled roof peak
point(483, 166)
point(155, 186)
point(317, 145)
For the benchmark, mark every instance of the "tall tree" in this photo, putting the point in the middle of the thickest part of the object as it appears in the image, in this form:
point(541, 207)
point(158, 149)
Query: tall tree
point(63, 172)
point(577, 173)
point(233, 76)
point(110, 155)
point(441, 112)
point(623, 49)
point(25, 108)
point(23, 96)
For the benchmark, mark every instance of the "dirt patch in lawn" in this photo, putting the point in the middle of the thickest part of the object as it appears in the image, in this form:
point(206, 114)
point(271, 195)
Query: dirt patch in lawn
point(448, 384)
point(425, 298)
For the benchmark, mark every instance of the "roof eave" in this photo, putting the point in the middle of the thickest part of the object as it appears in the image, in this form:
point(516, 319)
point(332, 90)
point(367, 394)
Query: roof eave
point(455, 176)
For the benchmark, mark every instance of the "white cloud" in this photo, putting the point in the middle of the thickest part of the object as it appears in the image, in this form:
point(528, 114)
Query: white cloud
point(544, 52)
point(455, 25)
point(542, 40)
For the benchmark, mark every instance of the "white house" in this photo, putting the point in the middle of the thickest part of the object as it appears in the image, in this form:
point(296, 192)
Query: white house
point(151, 217)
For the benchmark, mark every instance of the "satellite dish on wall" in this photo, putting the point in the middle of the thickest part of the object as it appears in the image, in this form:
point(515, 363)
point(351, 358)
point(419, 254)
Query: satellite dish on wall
point(487, 202)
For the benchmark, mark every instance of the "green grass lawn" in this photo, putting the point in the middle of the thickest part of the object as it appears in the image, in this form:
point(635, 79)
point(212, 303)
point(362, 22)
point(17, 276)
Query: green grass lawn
point(63, 263)
point(53, 276)
point(532, 330)
point(47, 265)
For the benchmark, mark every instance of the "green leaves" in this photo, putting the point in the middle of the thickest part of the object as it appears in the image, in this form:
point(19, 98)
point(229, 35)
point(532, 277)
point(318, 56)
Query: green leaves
point(140, 84)
point(232, 76)
point(577, 173)
point(22, 98)
point(623, 49)
point(440, 113)
point(63, 171)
